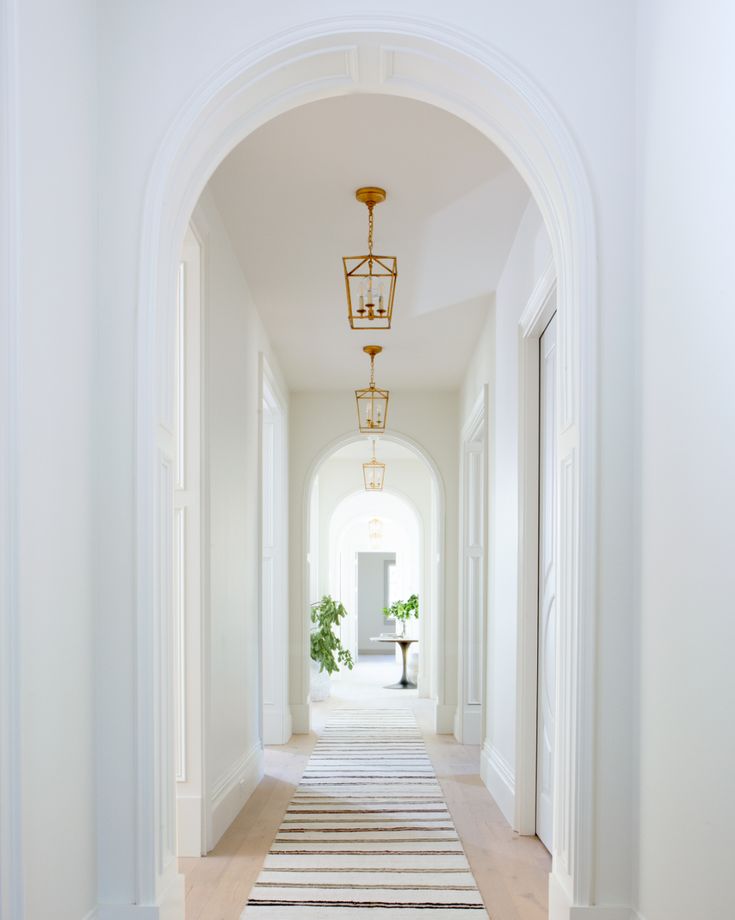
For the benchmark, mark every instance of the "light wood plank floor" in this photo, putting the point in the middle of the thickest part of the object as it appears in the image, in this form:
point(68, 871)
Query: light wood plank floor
point(511, 871)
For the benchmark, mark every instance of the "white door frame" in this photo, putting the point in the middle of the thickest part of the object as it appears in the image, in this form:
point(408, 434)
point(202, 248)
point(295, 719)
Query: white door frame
point(424, 60)
point(189, 604)
point(469, 721)
point(535, 318)
point(275, 710)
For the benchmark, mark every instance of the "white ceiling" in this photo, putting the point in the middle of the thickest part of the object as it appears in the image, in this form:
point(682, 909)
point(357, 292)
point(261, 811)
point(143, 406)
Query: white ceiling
point(286, 195)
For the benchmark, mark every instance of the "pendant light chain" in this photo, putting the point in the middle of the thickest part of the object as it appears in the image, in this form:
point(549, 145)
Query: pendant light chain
point(371, 221)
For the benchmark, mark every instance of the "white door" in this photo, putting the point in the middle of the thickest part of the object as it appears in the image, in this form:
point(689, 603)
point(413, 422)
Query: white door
point(547, 586)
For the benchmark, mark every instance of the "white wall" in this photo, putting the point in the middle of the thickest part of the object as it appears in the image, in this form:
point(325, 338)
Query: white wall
point(234, 338)
point(48, 200)
point(496, 363)
point(153, 57)
point(687, 682)
point(317, 420)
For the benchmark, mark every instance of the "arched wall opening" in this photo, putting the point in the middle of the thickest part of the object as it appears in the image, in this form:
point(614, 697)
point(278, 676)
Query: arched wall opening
point(450, 70)
point(411, 515)
point(387, 524)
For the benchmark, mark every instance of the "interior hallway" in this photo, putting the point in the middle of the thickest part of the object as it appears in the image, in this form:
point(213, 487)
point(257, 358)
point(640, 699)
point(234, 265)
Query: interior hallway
point(511, 871)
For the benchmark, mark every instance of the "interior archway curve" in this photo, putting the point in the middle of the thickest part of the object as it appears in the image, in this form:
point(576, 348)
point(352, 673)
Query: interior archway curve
point(428, 62)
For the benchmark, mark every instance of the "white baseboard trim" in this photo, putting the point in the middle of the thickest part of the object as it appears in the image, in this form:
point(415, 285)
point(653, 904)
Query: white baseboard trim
point(189, 836)
point(444, 719)
point(127, 912)
point(277, 724)
point(171, 906)
point(233, 789)
point(561, 908)
point(498, 776)
point(603, 913)
point(468, 725)
point(300, 718)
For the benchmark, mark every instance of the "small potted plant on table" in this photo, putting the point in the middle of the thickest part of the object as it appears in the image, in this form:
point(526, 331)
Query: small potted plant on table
point(327, 652)
point(402, 612)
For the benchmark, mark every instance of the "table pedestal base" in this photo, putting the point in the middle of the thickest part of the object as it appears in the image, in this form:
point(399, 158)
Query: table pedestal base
point(401, 685)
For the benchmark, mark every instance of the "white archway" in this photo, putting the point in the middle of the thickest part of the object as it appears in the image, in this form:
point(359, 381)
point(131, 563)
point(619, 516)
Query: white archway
point(438, 65)
point(403, 534)
point(421, 515)
point(434, 533)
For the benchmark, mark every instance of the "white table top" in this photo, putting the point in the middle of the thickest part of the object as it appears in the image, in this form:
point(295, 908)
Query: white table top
point(392, 639)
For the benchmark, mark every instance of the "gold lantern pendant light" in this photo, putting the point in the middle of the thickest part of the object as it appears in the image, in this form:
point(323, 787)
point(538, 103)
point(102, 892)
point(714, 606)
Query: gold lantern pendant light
point(370, 280)
point(373, 473)
point(372, 402)
point(375, 531)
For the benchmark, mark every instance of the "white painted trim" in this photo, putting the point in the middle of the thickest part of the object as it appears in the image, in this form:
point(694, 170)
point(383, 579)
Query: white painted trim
point(603, 912)
point(561, 907)
point(191, 496)
point(301, 718)
point(169, 906)
point(434, 62)
point(127, 912)
point(469, 717)
point(202, 232)
point(233, 789)
point(277, 724)
point(497, 774)
point(536, 315)
point(275, 715)
point(444, 718)
point(11, 874)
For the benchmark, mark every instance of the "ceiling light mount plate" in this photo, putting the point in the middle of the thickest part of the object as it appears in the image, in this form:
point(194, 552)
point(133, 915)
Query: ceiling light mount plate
point(370, 195)
point(372, 350)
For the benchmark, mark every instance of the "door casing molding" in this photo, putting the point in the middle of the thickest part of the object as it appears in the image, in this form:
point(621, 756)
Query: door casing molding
point(469, 724)
point(536, 316)
point(275, 711)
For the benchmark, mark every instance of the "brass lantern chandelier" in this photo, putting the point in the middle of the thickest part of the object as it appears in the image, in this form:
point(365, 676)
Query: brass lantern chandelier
point(375, 531)
point(372, 402)
point(373, 473)
point(370, 280)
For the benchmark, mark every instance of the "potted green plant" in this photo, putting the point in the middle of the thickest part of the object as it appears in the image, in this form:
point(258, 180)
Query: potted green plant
point(327, 652)
point(402, 612)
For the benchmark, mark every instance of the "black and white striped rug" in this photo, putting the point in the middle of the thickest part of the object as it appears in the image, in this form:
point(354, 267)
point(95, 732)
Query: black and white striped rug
point(367, 832)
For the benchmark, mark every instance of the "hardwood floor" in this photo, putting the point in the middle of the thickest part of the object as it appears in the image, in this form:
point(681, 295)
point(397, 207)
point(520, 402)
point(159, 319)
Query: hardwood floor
point(511, 871)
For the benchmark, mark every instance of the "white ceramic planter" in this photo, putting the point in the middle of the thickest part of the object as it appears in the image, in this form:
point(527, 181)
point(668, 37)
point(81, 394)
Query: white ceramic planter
point(321, 684)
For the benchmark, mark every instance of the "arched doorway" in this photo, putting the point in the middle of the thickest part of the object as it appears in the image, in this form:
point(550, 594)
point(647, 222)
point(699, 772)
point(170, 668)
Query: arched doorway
point(451, 71)
point(409, 513)
point(432, 561)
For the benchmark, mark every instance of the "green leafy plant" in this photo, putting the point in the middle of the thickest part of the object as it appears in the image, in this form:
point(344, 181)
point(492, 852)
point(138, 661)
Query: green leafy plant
point(403, 610)
point(326, 649)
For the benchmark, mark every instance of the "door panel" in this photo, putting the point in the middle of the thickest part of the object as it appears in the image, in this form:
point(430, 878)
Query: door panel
point(547, 586)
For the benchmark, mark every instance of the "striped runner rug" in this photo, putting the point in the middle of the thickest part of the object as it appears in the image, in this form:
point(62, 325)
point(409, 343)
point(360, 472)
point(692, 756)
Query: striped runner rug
point(367, 832)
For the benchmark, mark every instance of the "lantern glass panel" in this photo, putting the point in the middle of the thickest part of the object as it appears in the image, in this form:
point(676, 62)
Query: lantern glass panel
point(371, 285)
point(372, 409)
point(374, 475)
